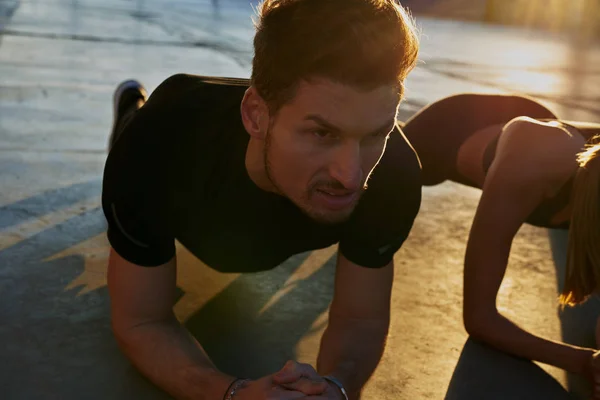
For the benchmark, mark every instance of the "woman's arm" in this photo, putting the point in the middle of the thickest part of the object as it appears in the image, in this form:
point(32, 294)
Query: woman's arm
point(512, 190)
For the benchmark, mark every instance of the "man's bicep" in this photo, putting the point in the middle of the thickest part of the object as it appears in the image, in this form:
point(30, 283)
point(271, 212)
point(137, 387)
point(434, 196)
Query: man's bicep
point(378, 228)
point(374, 252)
point(139, 233)
point(362, 293)
point(135, 201)
point(385, 215)
point(378, 233)
point(137, 193)
point(138, 294)
point(141, 270)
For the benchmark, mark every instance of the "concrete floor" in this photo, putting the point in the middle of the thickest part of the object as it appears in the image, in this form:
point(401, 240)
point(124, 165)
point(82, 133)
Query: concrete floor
point(59, 62)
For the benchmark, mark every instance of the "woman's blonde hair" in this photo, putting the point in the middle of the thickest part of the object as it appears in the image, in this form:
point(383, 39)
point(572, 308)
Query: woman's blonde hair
point(582, 276)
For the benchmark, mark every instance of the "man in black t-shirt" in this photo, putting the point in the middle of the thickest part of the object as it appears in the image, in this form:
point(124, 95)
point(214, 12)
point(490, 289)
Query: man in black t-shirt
point(246, 173)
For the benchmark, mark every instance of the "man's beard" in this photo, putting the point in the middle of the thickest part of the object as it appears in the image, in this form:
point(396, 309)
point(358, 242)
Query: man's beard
point(303, 206)
point(267, 163)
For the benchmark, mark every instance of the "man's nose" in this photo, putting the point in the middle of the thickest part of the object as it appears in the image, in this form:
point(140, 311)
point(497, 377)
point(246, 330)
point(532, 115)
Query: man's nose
point(346, 166)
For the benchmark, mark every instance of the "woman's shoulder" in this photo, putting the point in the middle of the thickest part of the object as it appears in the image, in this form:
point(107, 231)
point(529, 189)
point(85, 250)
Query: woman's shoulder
point(529, 148)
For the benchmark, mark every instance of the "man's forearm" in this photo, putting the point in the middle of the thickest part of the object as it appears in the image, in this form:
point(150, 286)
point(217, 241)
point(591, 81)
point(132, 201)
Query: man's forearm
point(171, 357)
point(351, 350)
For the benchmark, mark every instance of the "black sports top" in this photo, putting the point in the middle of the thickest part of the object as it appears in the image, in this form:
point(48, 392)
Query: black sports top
point(177, 172)
point(544, 213)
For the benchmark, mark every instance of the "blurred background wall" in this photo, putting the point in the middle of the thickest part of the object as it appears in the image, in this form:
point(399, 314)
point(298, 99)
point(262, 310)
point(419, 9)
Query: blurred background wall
point(578, 16)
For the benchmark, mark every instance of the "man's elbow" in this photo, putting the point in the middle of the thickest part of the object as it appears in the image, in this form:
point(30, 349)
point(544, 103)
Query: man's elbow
point(129, 335)
point(130, 332)
point(123, 335)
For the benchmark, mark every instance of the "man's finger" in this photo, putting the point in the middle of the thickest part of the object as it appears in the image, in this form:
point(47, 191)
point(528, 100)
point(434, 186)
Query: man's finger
point(309, 387)
point(292, 371)
point(289, 373)
point(284, 394)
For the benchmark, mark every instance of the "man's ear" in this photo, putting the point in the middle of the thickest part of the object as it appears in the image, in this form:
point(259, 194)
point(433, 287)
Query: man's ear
point(255, 114)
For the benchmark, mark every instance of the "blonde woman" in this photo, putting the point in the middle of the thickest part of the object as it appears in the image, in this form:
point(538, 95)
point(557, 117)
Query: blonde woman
point(532, 168)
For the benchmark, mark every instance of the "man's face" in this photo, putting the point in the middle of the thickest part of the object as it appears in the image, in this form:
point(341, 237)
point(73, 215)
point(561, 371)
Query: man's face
point(322, 145)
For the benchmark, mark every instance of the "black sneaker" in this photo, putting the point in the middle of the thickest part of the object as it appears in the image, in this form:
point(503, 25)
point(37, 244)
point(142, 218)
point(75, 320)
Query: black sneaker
point(129, 96)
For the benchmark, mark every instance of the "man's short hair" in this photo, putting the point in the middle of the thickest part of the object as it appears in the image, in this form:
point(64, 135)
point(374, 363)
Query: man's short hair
point(361, 43)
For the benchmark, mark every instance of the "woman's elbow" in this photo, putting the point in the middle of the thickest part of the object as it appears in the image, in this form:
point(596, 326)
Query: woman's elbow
point(473, 328)
point(478, 323)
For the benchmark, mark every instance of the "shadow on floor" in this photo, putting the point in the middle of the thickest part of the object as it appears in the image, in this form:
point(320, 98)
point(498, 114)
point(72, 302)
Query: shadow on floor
point(577, 323)
point(486, 373)
point(245, 342)
point(57, 342)
point(483, 372)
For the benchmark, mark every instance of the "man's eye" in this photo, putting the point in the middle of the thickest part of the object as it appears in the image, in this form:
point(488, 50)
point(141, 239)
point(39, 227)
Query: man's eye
point(321, 133)
point(379, 135)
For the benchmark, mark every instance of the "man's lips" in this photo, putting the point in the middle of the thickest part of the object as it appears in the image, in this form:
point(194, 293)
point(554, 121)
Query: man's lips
point(335, 199)
point(333, 192)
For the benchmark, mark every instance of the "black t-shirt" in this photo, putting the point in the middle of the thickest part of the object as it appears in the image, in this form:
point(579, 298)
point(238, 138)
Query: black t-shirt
point(177, 172)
